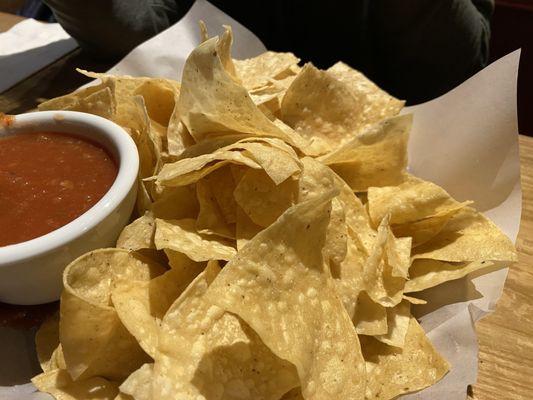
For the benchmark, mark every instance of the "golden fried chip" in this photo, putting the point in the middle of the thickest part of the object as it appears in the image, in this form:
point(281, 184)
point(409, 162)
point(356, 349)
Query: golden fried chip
point(210, 219)
point(124, 396)
point(94, 341)
point(141, 305)
point(398, 318)
point(98, 100)
point(47, 341)
point(212, 144)
point(294, 394)
point(159, 98)
point(413, 300)
point(60, 385)
point(139, 383)
point(425, 229)
point(190, 170)
point(280, 285)
point(101, 103)
point(222, 186)
point(468, 236)
point(378, 104)
point(392, 371)
point(181, 236)
point(139, 234)
point(412, 200)
point(176, 203)
point(261, 199)
point(370, 317)
point(321, 109)
point(278, 160)
point(385, 271)
point(377, 156)
point(255, 72)
point(178, 137)
point(428, 273)
point(335, 249)
point(57, 361)
point(227, 361)
point(212, 102)
point(245, 228)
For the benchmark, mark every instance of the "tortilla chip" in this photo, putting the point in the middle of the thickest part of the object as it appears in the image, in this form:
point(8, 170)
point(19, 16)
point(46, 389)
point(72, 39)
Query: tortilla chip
point(159, 98)
point(378, 104)
point(245, 228)
point(428, 273)
point(393, 371)
point(278, 160)
point(398, 318)
point(94, 341)
point(222, 186)
point(124, 396)
point(412, 200)
point(204, 34)
point(57, 361)
point(377, 156)
point(468, 236)
point(317, 335)
point(181, 235)
point(176, 203)
point(423, 230)
point(224, 52)
point(413, 300)
point(141, 305)
point(228, 360)
point(97, 100)
point(210, 220)
point(60, 385)
point(212, 102)
point(385, 271)
point(294, 394)
point(190, 170)
point(255, 72)
point(178, 137)
point(47, 341)
point(321, 109)
point(139, 383)
point(261, 199)
point(139, 234)
point(370, 317)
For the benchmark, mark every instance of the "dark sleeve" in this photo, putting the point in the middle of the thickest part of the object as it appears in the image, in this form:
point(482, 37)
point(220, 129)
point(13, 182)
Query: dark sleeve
point(111, 28)
point(424, 48)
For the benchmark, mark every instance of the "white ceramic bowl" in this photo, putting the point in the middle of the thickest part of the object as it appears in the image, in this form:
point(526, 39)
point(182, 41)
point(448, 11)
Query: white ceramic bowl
point(31, 271)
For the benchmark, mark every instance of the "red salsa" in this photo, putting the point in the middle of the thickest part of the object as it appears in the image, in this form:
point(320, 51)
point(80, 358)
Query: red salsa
point(47, 180)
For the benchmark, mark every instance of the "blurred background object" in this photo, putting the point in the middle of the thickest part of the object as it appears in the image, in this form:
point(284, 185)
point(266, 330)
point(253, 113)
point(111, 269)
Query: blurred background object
point(512, 28)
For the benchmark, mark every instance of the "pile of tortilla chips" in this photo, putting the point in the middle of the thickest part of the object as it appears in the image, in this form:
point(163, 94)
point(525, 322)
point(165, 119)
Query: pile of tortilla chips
point(278, 246)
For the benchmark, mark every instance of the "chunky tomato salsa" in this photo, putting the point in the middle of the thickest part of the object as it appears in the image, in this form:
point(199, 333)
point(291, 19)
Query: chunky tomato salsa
point(47, 180)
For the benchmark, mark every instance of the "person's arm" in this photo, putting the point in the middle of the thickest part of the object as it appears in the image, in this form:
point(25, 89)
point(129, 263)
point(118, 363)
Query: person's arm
point(423, 48)
point(111, 28)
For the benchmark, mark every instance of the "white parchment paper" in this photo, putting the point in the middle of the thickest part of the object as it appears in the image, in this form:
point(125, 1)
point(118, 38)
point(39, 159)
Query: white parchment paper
point(466, 141)
point(29, 46)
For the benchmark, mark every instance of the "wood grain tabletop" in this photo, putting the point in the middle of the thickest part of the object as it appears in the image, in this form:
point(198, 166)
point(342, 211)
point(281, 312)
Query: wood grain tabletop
point(505, 336)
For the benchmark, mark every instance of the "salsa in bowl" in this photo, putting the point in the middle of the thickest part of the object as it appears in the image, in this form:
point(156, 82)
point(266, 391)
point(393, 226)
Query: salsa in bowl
point(67, 186)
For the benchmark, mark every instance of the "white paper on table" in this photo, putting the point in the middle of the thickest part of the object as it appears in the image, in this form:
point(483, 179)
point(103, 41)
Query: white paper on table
point(465, 140)
point(28, 47)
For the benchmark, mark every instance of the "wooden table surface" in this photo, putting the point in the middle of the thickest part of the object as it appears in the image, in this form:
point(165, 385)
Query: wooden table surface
point(505, 336)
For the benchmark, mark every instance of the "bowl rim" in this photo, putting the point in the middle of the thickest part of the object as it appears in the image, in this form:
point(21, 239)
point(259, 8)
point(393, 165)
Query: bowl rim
point(128, 167)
